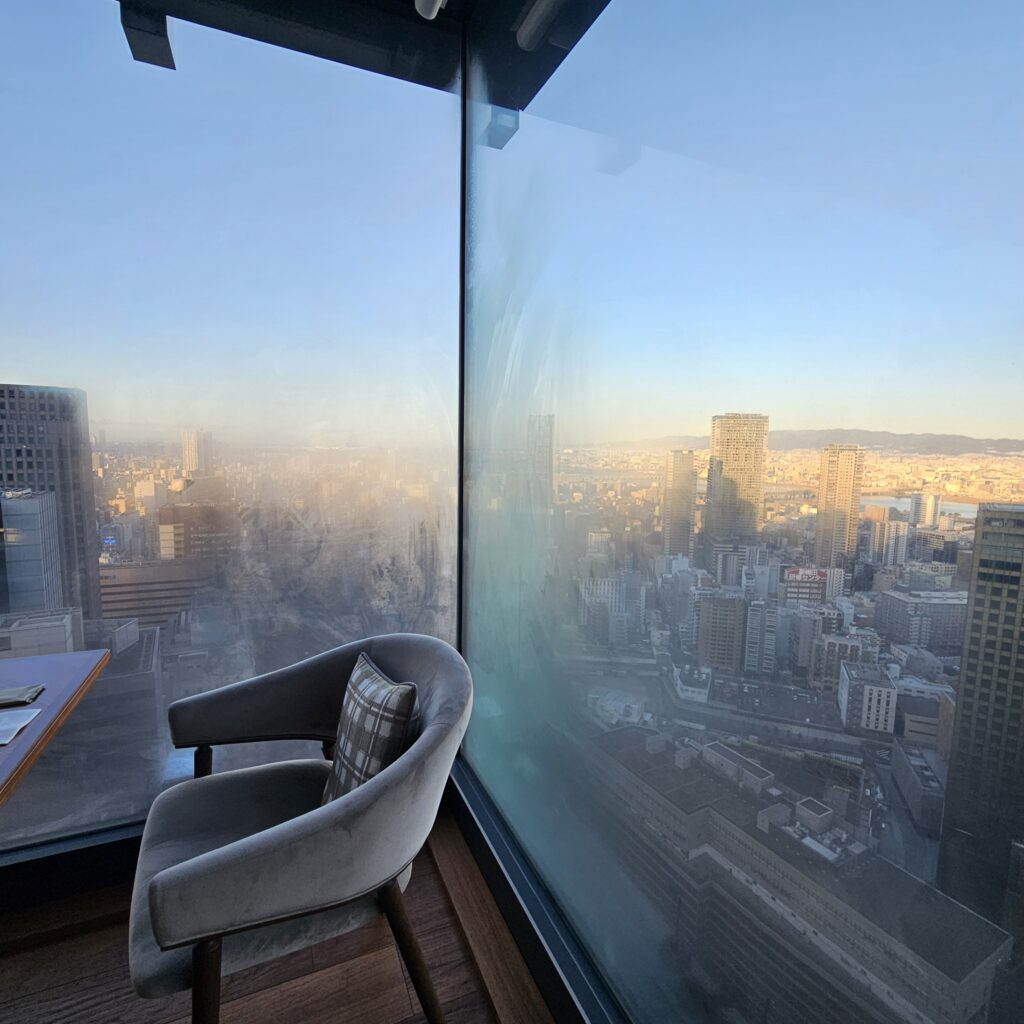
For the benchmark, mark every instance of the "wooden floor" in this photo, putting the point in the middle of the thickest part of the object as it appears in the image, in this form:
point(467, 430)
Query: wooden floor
point(356, 979)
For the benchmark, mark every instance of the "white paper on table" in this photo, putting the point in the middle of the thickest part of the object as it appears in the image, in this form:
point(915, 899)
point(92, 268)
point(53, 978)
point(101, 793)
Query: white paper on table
point(12, 722)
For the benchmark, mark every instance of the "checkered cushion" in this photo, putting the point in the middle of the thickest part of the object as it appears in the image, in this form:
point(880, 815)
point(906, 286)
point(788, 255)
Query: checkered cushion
point(378, 720)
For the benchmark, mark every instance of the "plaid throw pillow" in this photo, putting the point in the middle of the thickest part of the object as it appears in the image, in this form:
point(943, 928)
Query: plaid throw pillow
point(377, 722)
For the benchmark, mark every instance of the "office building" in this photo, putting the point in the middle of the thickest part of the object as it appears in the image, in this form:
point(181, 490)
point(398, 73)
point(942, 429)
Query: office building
point(735, 497)
point(832, 649)
point(30, 552)
point(888, 546)
point(190, 530)
point(839, 484)
point(983, 832)
point(936, 546)
point(867, 698)
point(762, 625)
point(934, 620)
point(802, 585)
point(153, 592)
point(678, 504)
point(44, 446)
point(775, 902)
point(541, 460)
point(918, 774)
point(196, 453)
point(721, 631)
point(32, 634)
point(925, 509)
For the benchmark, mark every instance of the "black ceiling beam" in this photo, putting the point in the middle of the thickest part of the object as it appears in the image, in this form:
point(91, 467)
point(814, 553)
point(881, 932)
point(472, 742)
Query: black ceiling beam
point(384, 36)
point(521, 43)
point(146, 32)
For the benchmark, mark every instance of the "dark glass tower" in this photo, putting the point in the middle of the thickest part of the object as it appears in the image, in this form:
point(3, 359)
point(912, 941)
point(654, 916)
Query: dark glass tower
point(983, 830)
point(44, 446)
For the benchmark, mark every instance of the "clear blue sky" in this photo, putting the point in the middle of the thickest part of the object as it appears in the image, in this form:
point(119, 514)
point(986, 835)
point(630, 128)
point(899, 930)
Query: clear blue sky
point(823, 219)
point(259, 242)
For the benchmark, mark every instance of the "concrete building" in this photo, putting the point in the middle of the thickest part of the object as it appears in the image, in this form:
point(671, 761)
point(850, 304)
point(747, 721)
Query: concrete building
point(919, 775)
point(917, 719)
point(778, 912)
point(936, 546)
point(153, 592)
point(832, 649)
point(983, 834)
point(810, 585)
point(867, 699)
point(693, 682)
point(30, 552)
point(735, 496)
point(190, 530)
point(44, 446)
point(678, 504)
point(721, 636)
point(28, 634)
point(839, 485)
point(933, 620)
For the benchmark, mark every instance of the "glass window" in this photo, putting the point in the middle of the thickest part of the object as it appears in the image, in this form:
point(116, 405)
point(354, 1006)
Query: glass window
point(234, 289)
point(721, 267)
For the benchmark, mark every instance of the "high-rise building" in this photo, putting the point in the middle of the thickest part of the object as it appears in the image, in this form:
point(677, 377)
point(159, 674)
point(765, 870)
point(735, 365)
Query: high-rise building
point(835, 528)
point(762, 625)
point(191, 530)
point(540, 459)
point(735, 501)
point(196, 453)
point(889, 542)
point(722, 628)
point(983, 832)
point(30, 552)
point(678, 504)
point(925, 509)
point(44, 446)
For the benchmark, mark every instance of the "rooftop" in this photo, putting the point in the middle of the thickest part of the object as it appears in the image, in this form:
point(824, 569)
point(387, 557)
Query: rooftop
point(913, 913)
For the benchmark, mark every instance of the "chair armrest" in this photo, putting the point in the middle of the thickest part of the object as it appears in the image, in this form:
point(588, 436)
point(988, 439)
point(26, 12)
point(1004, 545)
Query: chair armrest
point(302, 701)
point(328, 856)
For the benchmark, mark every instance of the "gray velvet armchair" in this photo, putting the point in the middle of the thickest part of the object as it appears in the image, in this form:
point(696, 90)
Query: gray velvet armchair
point(238, 868)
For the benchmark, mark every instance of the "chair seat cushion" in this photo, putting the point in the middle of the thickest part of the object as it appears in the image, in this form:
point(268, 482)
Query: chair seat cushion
point(205, 814)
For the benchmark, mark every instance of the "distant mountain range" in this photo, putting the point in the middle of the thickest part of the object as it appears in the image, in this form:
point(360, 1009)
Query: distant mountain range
point(883, 440)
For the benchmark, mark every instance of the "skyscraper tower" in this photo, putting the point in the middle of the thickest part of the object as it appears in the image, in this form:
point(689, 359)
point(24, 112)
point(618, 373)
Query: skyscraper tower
point(677, 505)
point(540, 458)
point(44, 446)
point(981, 857)
point(30, 552)
point(735, 501)
point(835, 529)
point(925, 509)
point(196, 453)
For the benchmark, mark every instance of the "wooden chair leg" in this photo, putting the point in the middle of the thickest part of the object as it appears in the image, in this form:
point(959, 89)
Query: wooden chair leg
point(206, 982)
point(412, 954)
point(202, 761)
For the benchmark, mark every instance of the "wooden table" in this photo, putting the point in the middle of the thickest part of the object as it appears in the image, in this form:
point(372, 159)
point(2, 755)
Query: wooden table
point(67, 678)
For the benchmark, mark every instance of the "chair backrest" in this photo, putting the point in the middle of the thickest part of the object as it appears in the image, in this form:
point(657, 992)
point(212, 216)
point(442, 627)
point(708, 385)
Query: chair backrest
point(403, 799)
